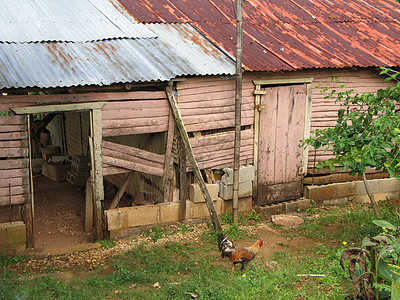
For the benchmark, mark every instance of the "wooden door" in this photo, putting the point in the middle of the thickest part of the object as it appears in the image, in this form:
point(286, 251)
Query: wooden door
point(282, 122)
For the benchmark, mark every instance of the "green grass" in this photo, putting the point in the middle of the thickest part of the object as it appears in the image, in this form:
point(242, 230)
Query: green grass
point(182, 268)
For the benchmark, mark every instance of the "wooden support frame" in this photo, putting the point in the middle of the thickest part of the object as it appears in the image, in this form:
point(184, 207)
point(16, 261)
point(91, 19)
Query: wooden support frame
point(121, 191)
point(167, 176)
point(95, 141)
point(192, 159)
point(97, 170)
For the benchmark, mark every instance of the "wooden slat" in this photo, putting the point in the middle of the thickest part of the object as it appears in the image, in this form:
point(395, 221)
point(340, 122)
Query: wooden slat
point(135, 130)
point(12, 119)
point(135, 105)
point(15, 181)
point(15, 190)
point(136, 160)
point(13, 128)
point(112, 170)
point(131, 113)
point(126, 123)
point(207, 110)
point(18, 199)
point(14, 152)
point(219, 138)
point(14, 164)
point(13, 136)
point(139, 153)
point(213, 124)
point(133, 166)
point(14, 144)
point(14, 173)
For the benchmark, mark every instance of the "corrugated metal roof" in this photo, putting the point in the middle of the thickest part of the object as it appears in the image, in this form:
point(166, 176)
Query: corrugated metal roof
point(105, 48)
point(59, 64)
point(72, 20)
point(290, 34)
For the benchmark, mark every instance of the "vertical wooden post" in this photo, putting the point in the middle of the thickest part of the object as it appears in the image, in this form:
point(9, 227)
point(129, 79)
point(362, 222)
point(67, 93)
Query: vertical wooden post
point(238, 108)
point(29, 207)
point(192, 159)
point(89, 206)
point(307, 126)
point(97, 170)
point(168, 158)
point(182, 180)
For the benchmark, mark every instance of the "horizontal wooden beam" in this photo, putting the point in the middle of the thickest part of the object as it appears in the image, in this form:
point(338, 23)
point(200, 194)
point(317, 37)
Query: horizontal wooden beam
point(57, 108)
point(284, 81)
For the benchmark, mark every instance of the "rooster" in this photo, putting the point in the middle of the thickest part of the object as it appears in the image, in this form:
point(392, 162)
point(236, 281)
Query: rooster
point(242, 255)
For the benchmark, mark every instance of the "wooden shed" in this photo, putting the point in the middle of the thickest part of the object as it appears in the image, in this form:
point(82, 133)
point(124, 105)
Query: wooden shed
point(92, 114)
point(289, 47)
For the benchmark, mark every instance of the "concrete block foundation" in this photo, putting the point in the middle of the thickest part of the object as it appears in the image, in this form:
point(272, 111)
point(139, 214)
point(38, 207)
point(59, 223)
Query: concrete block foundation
point(12, 238)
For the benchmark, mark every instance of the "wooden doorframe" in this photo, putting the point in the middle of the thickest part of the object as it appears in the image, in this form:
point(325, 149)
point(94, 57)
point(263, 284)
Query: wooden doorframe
point(96, 136)
point(258, 93)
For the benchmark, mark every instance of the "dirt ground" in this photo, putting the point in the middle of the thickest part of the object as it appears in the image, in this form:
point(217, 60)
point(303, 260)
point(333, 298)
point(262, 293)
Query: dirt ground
point(61, 242)
point(59, 215)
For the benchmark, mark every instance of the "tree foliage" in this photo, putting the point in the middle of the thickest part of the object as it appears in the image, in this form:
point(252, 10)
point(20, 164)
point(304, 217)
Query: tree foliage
point(367, 130)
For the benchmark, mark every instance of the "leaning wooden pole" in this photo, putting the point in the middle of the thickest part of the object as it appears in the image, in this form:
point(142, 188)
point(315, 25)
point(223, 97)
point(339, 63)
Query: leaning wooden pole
point(238, 109)
point(192, 159)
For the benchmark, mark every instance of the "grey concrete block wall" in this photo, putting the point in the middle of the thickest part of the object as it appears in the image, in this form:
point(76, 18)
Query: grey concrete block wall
point(335, 193)
point(245, 190)
point(246, 173)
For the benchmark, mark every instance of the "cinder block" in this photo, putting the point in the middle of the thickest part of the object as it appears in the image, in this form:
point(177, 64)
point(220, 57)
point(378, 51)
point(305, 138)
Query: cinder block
point(196, 195)
point(388, 185)
point(189, 209)
point(18, 249)
point(200, 209)
point(3, 235)
point(320, 192)
point(361, 198)
point(245, 205)
point(360, 187)
point(245, 190)
point(126, 217)
point(337, 201)
point(169, 212)
point(246, 173)
point(16, 233)
point(344, 189)
point(269, 210)
point(299, 204)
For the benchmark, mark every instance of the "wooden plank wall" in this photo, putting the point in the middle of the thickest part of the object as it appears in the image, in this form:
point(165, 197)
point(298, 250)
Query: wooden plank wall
point(14, 160)
point(136, 116)
point(208, 103)
point(324, 111)
point(216, 150)
point(77, 132)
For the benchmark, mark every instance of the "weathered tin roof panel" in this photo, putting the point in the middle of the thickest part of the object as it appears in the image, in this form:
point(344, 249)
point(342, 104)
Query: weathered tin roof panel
point(290, 34)
point(72, 20)
point(59, 64)
point(96, 44)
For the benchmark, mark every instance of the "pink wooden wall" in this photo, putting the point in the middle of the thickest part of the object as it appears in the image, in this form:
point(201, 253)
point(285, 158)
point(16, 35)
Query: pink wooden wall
point(14, 162)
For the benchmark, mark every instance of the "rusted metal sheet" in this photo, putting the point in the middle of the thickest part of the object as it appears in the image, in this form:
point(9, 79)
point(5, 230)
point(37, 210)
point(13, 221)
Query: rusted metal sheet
point(290, 34)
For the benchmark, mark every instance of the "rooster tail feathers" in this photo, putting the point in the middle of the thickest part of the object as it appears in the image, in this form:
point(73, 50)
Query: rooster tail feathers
point(225, 245)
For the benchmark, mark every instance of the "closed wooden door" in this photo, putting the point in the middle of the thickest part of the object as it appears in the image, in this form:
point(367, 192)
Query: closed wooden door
point(280, 157)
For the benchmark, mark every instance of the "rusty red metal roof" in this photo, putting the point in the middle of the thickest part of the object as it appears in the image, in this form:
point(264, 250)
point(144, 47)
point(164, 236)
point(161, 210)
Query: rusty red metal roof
point(289, 34)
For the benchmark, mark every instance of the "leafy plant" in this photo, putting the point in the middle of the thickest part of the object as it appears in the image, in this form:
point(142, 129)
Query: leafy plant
point(252, 216)
point(227, 218)
point(366, 133)
point(375, 266)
